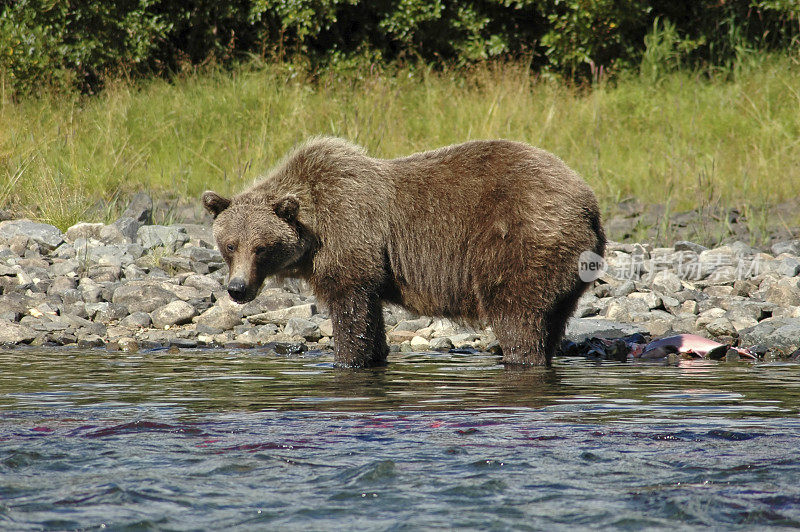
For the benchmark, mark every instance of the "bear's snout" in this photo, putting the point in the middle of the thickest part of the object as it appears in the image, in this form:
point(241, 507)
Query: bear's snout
point(237, 289)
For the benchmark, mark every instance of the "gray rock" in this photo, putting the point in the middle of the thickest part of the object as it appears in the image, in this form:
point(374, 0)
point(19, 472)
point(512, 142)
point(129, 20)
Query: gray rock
point(671, 304)
point(176, 264)
point(685, 245)
point(788, 267)
point(740, 249)
point(200, 254)
point(260, 335)
point(302, 327)
point(207, 330)
point(123, 230)
point(204, 284)
point(787, 246)
point(104, 273)
point(721, 327)
point(623, 289)
point(169, 237)
point(785, 292)
point(724, 275)
point(687, 265)
point(96, 254)
point(64, 251)
point(93, 308)
point(777, 333)
point(18, 244)
point(74, 308)
point(441, 343)
point(650, 299)
point(219, 317)
point(86, 341)
point(7, 270)
point(61, 285)
point(623, 308)
point(268, 300)
point(139, 209)
point(14, 333)
point(720, 291)
point(742, 287)
point(666, 282)
point(445, 327)
point(622, 265)
point(45, 235)
point(603, 290)
point(94, 328)
point(746, 310)
point(136, 320)
point(397, 337)
point(463, 339)
point(65, 267)
point(175, 313)
point(658, 322)
point(110, 312)
point(142, 296)
point(83, 231)
point(90, 290)
point(200, 235)
point(132, 272)
point(742, 323)
point(414, 324)
point(326, 327)
point(281, 316)
point(582, 328)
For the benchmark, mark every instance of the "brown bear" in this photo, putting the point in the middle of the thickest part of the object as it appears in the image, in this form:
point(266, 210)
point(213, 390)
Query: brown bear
point(486, 232)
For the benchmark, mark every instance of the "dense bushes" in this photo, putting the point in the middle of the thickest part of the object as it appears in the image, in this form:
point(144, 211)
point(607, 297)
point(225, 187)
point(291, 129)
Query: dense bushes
point(79, 42)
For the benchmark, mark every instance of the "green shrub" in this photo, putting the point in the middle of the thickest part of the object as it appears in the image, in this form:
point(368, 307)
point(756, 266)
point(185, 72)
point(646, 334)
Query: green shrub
point(50, 42)
point(81, 42)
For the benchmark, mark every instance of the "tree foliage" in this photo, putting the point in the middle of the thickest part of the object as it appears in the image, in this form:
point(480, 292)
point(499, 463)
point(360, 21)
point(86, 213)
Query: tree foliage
point(69, 43)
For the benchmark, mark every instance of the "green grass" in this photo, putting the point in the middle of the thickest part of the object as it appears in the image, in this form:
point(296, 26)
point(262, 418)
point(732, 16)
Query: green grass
point(691, 139)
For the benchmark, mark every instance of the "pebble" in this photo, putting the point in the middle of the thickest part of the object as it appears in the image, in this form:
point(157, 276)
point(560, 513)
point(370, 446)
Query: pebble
point(140, 285)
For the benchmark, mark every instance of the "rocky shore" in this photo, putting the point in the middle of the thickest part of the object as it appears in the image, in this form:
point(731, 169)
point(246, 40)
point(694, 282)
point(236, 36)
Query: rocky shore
point(133, 285)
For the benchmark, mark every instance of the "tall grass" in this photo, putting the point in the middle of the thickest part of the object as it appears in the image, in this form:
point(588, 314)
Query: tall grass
point(689, 138)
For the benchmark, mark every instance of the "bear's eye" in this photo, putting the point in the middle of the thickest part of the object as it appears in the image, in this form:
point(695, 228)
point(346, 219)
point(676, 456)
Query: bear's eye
point(231, 248)
point(260, 250)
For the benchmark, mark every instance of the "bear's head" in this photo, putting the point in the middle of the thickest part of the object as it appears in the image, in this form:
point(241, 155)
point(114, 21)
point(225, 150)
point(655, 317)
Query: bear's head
point(256, 239)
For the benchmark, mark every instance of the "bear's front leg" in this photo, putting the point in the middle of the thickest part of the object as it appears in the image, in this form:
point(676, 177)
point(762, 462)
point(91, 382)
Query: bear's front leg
point(358, 331)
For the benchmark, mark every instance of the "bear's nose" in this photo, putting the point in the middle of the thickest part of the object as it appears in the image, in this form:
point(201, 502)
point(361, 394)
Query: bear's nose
point(237, 289)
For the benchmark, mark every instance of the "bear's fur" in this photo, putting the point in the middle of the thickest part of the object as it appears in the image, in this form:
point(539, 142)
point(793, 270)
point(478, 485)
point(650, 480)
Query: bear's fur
point(485, 231)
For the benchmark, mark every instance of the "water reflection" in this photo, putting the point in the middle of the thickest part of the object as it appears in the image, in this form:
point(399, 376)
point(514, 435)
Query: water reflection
point(207, 380)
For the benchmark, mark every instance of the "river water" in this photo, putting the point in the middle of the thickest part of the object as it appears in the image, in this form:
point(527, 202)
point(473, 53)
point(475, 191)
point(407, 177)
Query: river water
point(212, 439)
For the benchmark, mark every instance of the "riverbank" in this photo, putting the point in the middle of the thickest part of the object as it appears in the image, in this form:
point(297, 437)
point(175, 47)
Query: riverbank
point(710, 141)
point(133, 285)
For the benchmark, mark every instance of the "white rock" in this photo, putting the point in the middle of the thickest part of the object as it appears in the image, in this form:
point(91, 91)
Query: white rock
point(418, 343)
point(281, 316)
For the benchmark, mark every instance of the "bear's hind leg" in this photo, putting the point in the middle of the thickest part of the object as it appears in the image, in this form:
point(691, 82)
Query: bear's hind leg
point(558, 316)
point(358, 331)
point(522, 338)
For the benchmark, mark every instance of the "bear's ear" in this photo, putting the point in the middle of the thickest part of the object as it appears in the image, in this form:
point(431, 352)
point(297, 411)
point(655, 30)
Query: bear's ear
point(287, 207)
point(214, 203)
